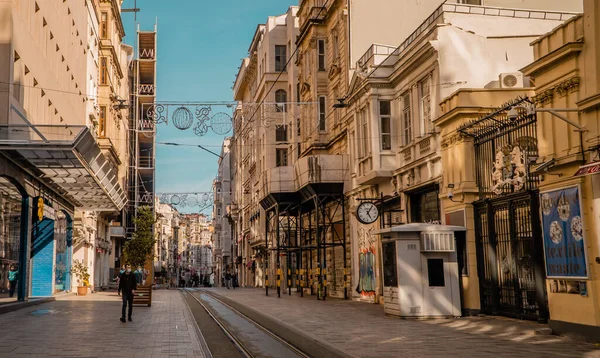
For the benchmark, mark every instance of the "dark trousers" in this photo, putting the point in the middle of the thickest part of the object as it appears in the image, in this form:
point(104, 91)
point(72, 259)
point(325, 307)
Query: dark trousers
point(12, 288)
point(127, 297)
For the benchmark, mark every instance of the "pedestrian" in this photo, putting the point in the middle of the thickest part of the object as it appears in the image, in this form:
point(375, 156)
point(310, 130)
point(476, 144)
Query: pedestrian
point(119, 279)
point(12, 280)
point(128, 285)
point(139, 275)
point(227, 279)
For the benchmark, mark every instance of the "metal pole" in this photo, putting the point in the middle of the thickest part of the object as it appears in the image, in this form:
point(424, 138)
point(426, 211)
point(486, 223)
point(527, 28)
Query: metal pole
point(344, 246)
point(318, 237)
point(267, 253)
point(309, 276)
point(278, 260)
point(300, 262)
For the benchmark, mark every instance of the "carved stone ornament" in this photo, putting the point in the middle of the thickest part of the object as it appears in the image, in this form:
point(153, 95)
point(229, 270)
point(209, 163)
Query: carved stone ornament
point(452, 139)
point(562, 89)
point(509, 169)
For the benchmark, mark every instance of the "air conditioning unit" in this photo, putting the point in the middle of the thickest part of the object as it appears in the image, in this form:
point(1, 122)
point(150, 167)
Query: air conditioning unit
point(511, 80)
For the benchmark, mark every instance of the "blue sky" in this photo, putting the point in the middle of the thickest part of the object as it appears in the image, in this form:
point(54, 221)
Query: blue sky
point(200, 45)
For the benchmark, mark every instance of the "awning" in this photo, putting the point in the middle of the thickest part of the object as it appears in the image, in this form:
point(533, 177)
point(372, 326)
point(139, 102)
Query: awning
point(68, 159)
point(588, 169)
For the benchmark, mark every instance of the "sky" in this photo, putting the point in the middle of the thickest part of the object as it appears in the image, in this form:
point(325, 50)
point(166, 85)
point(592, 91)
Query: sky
point(201, 44)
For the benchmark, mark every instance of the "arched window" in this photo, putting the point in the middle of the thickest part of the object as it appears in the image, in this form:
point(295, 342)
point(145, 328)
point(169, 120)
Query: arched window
point(281, 100)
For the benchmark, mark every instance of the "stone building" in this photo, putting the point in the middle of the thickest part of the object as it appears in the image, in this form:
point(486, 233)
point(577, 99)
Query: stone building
point(50, 107)
point(222, 240)
point(266, 130)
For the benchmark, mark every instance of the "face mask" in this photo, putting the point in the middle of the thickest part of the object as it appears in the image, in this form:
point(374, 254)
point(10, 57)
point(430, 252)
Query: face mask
point(128, 270)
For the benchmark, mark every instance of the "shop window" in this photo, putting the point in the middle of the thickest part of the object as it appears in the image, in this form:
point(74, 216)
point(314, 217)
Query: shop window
point(385, 117)
point(390, 273)
point(435, 271)
point(10, 236)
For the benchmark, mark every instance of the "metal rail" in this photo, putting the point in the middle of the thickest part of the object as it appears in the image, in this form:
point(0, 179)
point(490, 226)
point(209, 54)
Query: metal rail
point(237, 342)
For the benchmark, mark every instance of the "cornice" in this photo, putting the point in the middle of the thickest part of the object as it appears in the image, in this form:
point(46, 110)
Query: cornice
point(561, 89)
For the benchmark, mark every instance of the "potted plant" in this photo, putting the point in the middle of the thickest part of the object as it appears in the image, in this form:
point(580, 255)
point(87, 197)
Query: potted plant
point(83, 277)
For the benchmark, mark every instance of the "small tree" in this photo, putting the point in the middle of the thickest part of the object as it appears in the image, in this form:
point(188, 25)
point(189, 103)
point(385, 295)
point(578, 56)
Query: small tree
point(81, 272)
point(139, 249)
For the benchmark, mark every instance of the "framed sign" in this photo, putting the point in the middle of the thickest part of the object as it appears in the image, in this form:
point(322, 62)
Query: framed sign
point(562, 226)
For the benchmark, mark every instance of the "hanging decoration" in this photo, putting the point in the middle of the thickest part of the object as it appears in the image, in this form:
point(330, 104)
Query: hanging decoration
point(199, 200)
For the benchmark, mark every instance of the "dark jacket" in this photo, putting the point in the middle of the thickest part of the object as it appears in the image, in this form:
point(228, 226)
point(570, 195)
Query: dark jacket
point(127, 282)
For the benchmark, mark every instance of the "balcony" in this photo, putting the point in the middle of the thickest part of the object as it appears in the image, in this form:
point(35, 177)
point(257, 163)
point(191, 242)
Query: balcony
point(277, 186)
point(116, 231)
point(311, 12)
point(326, 171)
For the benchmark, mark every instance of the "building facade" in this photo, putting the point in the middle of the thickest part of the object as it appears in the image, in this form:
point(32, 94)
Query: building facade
point(49, 106)
point(266, 131)
point(222, 240)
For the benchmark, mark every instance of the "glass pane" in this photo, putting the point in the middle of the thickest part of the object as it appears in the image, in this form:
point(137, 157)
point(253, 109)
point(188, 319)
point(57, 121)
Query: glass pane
point(390, 274)
point(385, 125)
point(384, 108)
point(386, 142)
point(10, 239)
point(435, 271)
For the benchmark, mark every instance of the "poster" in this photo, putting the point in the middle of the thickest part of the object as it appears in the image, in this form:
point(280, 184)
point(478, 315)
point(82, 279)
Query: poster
point(562, 225)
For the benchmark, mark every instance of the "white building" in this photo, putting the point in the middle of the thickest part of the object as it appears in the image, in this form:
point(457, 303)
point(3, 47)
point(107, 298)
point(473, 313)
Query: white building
point(222, 240)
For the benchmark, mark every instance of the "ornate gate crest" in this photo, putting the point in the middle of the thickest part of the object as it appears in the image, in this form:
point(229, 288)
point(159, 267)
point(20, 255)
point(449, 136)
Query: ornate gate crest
point(509, 169)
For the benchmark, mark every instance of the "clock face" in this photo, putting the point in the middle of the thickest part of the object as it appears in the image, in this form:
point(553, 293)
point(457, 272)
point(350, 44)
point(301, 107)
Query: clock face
point(367, 213)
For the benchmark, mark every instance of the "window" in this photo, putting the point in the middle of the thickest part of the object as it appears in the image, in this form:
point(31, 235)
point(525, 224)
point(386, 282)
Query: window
point(103, 71)
point(390, 274)
point(281, 133)
point(321, 55)
point(102, 122)
point(322, 113)
point(281, 157)
point(385, 116)
point(298, 127)
point(406, 118)
point(104, 25)
point(435, 271)
point(280, 58)
point(424, 206)
point(281, 100)
point(425, 104)
point(336, 47)
point(469, 2)
point(364, 134)
point(298, 92)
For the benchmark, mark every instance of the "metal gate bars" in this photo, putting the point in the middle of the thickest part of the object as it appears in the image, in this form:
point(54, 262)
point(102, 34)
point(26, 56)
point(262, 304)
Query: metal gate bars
point(510, 257)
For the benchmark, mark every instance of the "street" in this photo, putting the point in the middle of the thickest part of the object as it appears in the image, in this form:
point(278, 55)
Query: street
point(89, 327)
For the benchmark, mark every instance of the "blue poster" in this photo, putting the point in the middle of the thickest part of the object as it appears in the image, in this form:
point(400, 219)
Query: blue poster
point(562, 225)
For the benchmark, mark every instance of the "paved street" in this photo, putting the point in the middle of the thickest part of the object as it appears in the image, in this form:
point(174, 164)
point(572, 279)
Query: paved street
point(89, 327)
point(362, 330)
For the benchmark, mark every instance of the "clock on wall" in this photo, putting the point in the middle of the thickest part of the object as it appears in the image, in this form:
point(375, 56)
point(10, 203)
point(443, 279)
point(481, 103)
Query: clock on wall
point(367, 213)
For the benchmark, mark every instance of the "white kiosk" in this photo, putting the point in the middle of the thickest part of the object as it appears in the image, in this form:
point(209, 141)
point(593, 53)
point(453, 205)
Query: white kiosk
point(420, 271)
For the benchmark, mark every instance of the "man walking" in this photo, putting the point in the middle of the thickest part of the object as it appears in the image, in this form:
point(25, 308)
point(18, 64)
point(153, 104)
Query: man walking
point(119, 279)
point(128, 285)
point(12, 280)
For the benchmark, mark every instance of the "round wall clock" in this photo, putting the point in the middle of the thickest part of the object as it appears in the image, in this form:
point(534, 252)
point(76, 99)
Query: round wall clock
point(367, 213)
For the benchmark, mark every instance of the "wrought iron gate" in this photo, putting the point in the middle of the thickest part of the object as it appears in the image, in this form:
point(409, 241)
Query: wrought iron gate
point(509, 252)
point(508, 232)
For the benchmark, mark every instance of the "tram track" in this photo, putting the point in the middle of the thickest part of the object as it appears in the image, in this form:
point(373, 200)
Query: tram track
point(250, 338)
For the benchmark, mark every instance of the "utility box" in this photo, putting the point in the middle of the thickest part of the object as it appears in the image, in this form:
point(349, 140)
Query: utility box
point(420, 271)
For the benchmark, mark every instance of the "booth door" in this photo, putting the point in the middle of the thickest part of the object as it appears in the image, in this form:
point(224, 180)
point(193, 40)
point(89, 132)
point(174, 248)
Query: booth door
point(437, 285)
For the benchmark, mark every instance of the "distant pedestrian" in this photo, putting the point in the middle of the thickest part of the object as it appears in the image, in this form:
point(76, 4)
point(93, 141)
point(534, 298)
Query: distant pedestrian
point(119, 279)
point(139, 275)
point(227, 279)
point(12, 280)
point(128, 285)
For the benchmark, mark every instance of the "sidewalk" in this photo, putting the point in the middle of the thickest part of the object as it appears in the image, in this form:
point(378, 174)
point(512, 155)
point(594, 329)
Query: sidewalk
point(89, 326)
point(362, 330)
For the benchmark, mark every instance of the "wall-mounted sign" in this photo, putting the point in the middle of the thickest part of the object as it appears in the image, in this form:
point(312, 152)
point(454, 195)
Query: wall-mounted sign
point(588, 169)
point(562, 225)
point(43, 210)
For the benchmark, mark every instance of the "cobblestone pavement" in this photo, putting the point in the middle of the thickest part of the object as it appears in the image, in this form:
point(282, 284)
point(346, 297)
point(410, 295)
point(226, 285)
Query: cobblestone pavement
point(89, 326)
point(362, 330)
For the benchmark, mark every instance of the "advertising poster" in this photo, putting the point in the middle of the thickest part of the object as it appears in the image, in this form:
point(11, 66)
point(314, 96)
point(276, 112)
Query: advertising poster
point(562, 224)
